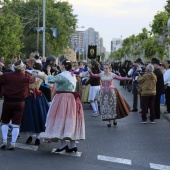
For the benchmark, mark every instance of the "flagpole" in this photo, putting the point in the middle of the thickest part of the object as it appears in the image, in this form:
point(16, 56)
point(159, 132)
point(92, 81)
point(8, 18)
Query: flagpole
point(44, 13)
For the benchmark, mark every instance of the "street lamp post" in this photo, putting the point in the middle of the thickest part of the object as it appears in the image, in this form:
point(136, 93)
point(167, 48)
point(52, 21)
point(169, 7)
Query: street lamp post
point(44, 27)
point(168, 25)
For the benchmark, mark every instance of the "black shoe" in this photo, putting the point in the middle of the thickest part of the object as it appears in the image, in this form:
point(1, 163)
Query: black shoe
point(4, 145)
point(11, 147)
point(62, 149)
point(19, 137)
point(72, 150)
point(114, 123)
point(37, 142)
point(143, 122)
point(134, 110)
point(109, 125)
point(29, 140)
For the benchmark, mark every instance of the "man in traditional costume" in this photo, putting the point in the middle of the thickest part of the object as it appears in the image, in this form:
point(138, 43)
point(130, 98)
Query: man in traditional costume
point(15, 89)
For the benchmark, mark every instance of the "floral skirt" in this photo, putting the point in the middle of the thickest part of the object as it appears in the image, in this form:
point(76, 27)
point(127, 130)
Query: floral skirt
point(112, 105)
point(65, 118)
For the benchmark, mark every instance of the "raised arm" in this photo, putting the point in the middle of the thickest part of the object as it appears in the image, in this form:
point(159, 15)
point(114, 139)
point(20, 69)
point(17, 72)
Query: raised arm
point(121, 78)
point(93, 75)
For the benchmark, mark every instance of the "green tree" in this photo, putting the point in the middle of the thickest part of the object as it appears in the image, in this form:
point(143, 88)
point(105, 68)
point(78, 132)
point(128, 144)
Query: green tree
point(58, 15)
point(11, 33)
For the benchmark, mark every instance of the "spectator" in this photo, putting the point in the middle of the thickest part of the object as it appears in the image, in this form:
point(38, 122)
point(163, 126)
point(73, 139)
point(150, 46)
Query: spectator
point(147, 83)
point(159, 86)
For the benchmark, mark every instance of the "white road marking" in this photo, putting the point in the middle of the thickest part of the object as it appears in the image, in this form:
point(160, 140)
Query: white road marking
point(27, 147)
point(159, 167)
point(42, 136)
point(113, 159)
point(78, 154)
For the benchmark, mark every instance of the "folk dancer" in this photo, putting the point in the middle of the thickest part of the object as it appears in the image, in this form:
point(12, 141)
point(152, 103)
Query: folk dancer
point(15, 89)
point(112, 105)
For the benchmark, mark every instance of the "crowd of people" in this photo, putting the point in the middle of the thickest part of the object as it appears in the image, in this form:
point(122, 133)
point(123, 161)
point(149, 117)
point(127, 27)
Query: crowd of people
point(42, 95)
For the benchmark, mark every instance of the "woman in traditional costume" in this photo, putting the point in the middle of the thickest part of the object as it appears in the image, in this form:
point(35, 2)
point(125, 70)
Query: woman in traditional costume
point(77, 70)
point(36, 108)
point(65, 120)
point(85, 89)
point(112, 105)
point(94, 87)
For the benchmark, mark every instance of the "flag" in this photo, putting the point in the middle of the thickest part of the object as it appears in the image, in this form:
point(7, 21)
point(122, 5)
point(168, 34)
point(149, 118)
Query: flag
point(55, 32)
point(38, 29)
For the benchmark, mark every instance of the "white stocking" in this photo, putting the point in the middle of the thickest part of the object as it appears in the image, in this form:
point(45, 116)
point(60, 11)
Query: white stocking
point(28, 134)
point(93, 106)
point(15, 133)
point(72, 144)
point(37, 135)
point(96, 104)
point(63, 144)
point(4, 129)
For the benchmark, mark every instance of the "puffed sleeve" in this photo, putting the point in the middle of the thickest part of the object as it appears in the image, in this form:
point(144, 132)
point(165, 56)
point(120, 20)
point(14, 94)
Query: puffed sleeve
point(53, 79)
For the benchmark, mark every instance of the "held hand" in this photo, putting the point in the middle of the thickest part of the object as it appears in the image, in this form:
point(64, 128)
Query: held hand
point(34, 74)
point(1, 73)
point(89, 70)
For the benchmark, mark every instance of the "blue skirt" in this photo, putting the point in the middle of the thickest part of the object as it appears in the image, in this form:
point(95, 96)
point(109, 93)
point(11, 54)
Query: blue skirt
point(34, 115)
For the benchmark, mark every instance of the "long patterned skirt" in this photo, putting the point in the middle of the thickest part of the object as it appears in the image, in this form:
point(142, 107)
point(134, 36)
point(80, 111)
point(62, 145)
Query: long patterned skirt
point(112, 105)
point(65, 118)
point(85, 94)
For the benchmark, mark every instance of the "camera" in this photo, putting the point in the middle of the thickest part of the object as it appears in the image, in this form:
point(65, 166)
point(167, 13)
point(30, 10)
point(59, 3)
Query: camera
point(140, 72)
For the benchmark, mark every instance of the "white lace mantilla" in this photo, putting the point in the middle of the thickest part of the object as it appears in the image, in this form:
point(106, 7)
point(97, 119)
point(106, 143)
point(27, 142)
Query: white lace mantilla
point(107, 77)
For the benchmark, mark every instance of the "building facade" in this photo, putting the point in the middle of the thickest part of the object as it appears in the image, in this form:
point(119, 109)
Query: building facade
point(116, 43)
point(80, 40)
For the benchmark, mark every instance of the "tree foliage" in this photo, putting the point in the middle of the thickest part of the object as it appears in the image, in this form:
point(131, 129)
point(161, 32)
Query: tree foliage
point(58, 15)
point(159, 23)
point(11, 33)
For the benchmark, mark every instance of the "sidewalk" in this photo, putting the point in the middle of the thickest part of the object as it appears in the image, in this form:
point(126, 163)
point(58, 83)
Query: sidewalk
point(167, 116)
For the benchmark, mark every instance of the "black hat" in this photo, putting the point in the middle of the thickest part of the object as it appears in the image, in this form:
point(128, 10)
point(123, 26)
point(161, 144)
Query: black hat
point(155, 61)
point(139, 60)
point(51, 57)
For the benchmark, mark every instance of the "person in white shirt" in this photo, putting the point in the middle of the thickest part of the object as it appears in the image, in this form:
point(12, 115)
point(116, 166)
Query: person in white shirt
point(167, 86)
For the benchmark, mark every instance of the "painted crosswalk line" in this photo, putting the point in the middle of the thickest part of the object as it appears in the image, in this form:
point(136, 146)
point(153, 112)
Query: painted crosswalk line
point(43, 136)
point(77, 154)
point(114, 159)
point(159, 167)
point(27, 147)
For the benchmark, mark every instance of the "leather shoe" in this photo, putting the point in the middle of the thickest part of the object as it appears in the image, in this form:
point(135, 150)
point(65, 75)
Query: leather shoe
point(62, 149)
point(29, 140)
point(134, 110)
point(11, 147)
point(37, 142)
point(4, 145)
point(72, 150)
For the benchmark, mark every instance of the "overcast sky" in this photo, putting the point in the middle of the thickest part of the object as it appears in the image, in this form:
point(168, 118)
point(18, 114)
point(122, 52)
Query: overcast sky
point(113, 18)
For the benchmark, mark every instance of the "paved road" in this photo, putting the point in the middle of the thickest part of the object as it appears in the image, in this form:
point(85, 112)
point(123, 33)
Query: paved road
point(127, 146)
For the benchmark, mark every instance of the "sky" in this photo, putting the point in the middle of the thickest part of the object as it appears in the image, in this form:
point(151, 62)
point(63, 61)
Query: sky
point(116, 18)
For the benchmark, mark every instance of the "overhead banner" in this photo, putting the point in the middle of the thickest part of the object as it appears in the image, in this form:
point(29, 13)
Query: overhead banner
point(92, 51)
